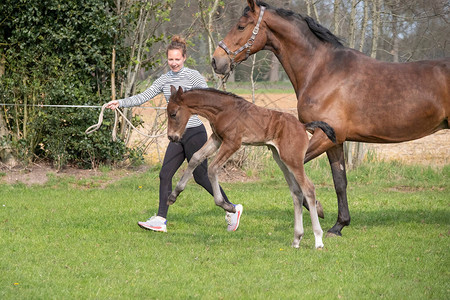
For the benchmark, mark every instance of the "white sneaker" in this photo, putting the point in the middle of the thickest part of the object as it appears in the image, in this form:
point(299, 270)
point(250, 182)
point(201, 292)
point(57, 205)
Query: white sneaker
point(234, 218)
point(155, 223)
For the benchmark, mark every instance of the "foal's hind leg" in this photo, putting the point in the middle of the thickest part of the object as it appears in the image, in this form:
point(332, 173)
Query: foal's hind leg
point(207, 150)
point(309, 192)
point(307, 188)
point(297, 197)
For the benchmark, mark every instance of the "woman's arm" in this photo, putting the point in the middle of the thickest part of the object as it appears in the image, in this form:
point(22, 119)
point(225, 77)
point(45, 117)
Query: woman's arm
point(136, 100)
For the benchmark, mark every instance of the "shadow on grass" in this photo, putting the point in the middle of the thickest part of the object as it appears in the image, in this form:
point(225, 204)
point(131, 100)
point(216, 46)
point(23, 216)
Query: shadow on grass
point(372, 217)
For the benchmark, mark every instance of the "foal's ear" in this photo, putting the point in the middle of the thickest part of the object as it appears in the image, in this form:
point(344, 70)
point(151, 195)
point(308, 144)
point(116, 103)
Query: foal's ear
point(180, 91)
point(251, 4)
point(172, 90)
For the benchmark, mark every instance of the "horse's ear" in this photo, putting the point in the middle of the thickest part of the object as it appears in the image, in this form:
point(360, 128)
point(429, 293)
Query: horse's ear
point(251, 4)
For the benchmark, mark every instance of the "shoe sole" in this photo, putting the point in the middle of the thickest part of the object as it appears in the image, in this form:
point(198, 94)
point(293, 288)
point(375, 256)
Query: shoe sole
point(158, 229)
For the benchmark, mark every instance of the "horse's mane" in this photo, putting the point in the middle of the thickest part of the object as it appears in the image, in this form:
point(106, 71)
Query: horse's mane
point(322, 33)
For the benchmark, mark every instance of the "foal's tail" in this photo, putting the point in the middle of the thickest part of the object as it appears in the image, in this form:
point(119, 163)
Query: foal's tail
point(329, 131)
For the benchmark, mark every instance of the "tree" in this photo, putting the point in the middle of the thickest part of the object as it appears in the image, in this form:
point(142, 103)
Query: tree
point(138, 32)
point(56, 53)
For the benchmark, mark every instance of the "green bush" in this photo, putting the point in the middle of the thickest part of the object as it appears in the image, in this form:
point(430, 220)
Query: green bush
point(58, 53)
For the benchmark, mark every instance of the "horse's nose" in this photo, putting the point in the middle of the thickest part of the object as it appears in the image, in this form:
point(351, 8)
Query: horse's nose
point(213, 64)
point(221, 65)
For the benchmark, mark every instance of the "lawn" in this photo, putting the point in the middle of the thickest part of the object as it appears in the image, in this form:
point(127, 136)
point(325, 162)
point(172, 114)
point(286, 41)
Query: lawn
point(76, 239)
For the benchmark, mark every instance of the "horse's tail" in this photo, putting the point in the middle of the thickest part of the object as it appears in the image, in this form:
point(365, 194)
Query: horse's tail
point(329, 131)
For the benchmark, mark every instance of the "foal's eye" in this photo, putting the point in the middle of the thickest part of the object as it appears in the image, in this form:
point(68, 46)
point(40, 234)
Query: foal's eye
point(173, 115)
point(240, 28)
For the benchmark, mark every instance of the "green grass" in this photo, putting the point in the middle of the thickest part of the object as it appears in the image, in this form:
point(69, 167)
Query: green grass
point(74, 239)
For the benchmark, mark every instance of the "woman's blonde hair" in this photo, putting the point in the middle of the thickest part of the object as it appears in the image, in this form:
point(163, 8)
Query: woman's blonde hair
point(177, 43)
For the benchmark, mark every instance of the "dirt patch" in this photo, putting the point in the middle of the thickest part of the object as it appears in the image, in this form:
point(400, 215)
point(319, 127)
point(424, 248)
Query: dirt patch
point(38, 174)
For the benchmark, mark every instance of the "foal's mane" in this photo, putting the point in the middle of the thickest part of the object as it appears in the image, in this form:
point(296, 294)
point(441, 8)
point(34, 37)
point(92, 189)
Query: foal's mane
point(214, 91)
point(322, 33)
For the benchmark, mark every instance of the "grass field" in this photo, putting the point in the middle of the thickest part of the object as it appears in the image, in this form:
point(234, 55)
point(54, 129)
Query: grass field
point(75, 239)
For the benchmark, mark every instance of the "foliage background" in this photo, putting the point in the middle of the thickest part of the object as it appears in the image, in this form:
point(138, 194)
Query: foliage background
point(56, 52)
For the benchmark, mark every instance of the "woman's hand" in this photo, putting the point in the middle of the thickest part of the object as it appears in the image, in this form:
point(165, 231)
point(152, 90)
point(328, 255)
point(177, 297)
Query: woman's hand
point(112, 104)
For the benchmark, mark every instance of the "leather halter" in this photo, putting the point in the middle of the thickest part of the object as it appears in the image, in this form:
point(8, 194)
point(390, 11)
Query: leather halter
point(247, 45)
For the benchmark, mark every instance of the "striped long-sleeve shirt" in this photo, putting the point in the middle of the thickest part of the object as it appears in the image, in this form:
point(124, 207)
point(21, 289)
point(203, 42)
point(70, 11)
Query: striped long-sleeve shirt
point(186, 78)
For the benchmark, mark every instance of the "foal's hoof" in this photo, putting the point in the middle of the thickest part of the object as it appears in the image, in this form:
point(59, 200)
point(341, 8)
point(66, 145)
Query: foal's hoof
point(229, 208)
point(319, 209)
point(171, 200)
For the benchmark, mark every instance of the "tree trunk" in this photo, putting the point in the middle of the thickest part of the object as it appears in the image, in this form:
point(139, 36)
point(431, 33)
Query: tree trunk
point(394, 52)
point(312, 10)
point(353, 24)
point(274, 73)
point(251, 77)
point(376, 19)
point(364, 26)
point(336, 16)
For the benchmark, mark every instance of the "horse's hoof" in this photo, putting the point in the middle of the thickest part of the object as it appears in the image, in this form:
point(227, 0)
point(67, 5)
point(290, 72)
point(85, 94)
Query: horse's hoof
point(333, 234)
point(320, 248)
point(319, 209)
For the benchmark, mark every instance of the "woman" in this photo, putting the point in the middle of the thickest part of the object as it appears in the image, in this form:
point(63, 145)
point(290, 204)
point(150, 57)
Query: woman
point(193, 139)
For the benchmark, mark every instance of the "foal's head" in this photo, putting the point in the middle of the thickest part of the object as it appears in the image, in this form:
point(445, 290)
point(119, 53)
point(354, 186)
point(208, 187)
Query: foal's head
point(177, 115)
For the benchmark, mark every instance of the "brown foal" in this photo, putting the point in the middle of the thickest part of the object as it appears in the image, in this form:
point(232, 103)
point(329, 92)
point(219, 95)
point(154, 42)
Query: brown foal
point(235, 121)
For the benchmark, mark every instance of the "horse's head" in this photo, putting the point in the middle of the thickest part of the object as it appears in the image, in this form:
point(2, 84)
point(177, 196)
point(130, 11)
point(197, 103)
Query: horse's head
point(178, 115)
point(244, 39)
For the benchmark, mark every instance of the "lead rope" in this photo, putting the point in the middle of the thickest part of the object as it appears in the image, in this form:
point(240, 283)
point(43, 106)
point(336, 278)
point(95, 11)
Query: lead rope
point(117, 111)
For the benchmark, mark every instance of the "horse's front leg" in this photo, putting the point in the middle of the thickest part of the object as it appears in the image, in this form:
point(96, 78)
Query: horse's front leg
point(225, 151)
point(337, 163)
point(207, 150)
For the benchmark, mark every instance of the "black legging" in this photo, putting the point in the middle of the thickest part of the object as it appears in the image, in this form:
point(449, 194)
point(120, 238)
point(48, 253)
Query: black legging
point(193, 139)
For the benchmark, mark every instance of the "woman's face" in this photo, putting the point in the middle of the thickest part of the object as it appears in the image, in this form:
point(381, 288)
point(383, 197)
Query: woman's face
point(175, 59)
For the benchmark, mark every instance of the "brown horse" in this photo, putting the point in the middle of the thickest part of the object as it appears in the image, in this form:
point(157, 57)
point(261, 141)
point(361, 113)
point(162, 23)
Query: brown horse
point(363, 99)
point(234, 122)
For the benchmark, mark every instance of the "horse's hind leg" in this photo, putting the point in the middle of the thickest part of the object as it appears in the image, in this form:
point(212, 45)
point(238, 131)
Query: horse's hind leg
point(337, 163)
point(297, 197)
point(318, 144)
point(207, 150)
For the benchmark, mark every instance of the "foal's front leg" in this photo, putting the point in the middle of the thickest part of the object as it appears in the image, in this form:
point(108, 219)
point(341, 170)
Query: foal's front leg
point(225, 151)
point(207, 150)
